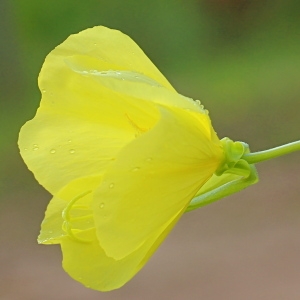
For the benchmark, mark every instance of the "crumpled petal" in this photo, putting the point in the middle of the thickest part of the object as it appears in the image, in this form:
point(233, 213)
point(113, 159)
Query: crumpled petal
point(83, 257)
point(88, 263)
point(153, 180)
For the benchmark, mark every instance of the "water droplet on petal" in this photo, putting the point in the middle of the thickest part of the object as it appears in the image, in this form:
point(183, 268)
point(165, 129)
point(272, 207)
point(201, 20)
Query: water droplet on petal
point(148, 159)
point(72, 151)
point(101, 205)
point(52, 151)
point(135, 169)
point(111, 186)
point(25, 149)
point(35, 147)
point(69, 141)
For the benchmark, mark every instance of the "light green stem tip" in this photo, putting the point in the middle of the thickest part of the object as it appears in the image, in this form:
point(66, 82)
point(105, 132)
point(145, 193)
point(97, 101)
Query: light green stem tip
point(237, 171)
point(256, 157)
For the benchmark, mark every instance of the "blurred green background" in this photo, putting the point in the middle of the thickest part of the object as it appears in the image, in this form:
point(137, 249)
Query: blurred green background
point(241, 58)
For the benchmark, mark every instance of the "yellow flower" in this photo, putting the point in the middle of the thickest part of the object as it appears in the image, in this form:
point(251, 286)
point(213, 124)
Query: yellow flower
point(121, 152)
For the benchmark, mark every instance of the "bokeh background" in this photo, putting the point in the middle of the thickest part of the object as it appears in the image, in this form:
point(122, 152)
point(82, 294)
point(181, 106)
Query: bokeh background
point(241, 58)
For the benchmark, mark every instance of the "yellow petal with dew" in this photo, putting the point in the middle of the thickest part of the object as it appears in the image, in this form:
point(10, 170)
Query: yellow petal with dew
point(103, 49)
point(87, 116)
point(79, 130)
point(132, 83)
point(153, 180)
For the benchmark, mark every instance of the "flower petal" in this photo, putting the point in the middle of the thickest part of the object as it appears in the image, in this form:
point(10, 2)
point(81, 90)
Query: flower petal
point(153, 180)
point(51, 228)
point(103, 49)
point(79, 129)
point(132, 83)
point(89, 264)
point(85, 118)
point(83, 257)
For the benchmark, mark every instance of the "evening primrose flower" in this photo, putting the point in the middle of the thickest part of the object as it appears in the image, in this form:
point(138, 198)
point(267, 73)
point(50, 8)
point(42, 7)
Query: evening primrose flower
point(122, 153)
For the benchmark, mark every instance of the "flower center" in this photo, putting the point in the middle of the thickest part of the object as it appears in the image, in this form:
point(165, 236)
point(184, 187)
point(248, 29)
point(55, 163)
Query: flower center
point(78, 218)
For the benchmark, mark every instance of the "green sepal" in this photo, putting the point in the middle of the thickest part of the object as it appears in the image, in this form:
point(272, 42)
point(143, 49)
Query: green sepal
point(233, 175)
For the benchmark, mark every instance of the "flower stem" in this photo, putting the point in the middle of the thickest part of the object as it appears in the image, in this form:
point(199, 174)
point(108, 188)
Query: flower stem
point(253, 158)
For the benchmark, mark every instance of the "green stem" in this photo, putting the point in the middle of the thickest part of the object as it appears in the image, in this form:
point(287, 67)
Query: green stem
point(253, 158)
